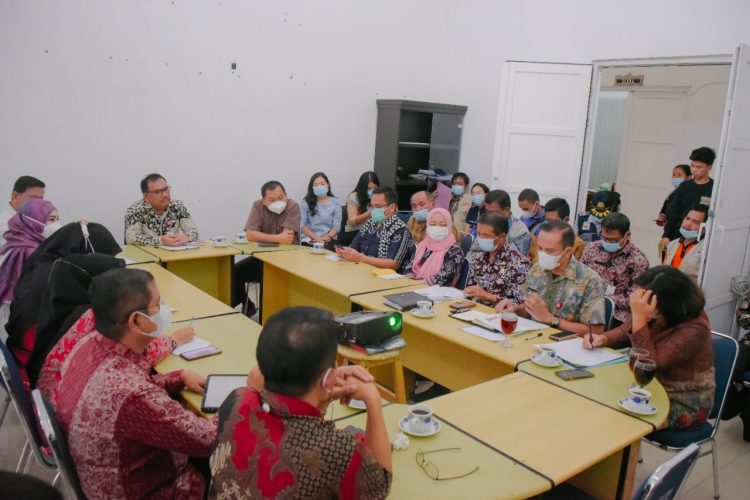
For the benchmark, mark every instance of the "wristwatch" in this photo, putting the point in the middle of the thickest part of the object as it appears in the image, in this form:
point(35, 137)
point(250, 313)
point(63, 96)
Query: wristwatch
point(555, 321)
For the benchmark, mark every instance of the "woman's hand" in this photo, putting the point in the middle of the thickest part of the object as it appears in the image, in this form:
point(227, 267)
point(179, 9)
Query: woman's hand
point(599, 341)
point(643, 307)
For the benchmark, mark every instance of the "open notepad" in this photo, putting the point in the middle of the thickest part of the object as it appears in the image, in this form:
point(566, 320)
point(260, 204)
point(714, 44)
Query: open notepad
point(492, 321)
point(179, 248)
point(196, 343)
point(572, 352)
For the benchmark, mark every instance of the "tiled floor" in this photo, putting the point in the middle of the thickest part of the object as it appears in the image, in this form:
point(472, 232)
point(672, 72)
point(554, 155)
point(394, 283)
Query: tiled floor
point(734, 461)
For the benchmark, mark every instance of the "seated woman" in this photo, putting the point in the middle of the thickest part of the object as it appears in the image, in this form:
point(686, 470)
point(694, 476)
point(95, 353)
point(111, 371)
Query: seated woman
point(36, 219)
point(321, 213)
point(357, 207)
point(478, 193)
point(668, 320)
point(438, 257)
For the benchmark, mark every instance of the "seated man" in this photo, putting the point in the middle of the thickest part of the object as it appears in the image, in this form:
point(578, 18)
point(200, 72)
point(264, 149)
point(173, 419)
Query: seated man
point(557, 209)
point(559, 290)
point(273, 441)
point(273, 219)
point(497, 270)
point(24, 189)
point(532, 213)
point(685, 253)
point(157, 219)
point(383, 241)
point(498, 201)
point(127, 436)
point(618, 262)
point(421, 204)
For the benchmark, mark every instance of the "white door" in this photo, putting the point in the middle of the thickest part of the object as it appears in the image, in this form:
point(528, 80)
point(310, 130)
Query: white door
point(729, 229)
point(541, 127)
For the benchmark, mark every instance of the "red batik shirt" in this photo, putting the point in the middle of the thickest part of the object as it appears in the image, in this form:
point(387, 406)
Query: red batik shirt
point(127, 436)
point(274, 446)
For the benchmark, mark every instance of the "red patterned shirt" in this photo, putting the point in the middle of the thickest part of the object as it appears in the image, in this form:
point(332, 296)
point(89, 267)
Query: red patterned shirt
point(127, 437)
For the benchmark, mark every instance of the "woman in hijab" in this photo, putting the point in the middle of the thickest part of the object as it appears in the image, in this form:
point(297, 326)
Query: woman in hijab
point(438, 257)
point(27, 295)
point(34, 221)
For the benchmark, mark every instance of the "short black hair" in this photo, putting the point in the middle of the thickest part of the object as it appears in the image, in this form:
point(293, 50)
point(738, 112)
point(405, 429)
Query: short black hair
point(685, 168)
point(115, 294)
point(502, 198)
point(269, 186)
point(150, 178)
point(528, 195)
point(460, 175)
point(295, 348)
point(390, 194)
point(704, 154)
point(566, 232)
point(679, 298)
point(27, 182)
point(616, 222)
point(498, 222)
point(698, 207)
point(482, 185)
point(559, 206)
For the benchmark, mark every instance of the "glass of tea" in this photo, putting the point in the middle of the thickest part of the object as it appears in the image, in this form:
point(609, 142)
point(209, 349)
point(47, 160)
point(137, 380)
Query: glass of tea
point(508, 322)
point(644, 371)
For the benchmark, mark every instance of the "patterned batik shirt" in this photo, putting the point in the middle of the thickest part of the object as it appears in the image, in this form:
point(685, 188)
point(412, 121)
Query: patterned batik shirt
point(450, 269)
point(504, 276)
point(619, 271)
point(519, 236)
point(275, 446)
point(389, 239)
point(128, 438)
point(143, 226)
point(577, 295)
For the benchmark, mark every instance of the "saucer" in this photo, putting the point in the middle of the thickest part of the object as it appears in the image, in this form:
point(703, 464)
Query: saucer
point(403, 424)
point(423, 314)
point(547, 364)
point(235, 240)
point(318, 252)
point(629, 405)
point(219, 245)
point(357, 404)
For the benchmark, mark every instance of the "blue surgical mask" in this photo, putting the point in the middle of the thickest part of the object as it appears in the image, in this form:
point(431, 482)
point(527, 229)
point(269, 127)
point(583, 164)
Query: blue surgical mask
point(421, 215)
point(486, 244)
point(688, 235)
point(369, 193)
point(457, 190)
point(320, 191)
point(377, 214)
point(676, 181)
point(477, 199)
point(610, 247)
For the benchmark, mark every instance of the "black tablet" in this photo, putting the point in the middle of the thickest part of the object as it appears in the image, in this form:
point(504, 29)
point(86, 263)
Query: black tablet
point(218, 387)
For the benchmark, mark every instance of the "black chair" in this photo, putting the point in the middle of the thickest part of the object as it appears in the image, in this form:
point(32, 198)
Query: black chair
point(56, 439)
point(465, 242)
point(609, 310)
point(463, 276)
point(667, 480)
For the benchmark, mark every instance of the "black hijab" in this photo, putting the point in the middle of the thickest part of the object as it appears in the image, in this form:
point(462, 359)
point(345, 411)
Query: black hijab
point(27, 295)
point(64, 301)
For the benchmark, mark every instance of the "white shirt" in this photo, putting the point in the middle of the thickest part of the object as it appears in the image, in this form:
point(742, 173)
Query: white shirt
point(5, 216)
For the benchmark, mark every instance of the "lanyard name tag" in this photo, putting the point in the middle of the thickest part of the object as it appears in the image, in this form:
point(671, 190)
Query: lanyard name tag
point(610, 290)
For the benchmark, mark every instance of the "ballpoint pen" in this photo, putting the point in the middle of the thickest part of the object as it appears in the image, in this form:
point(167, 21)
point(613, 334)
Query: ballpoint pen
point(591, 337)
point(190, 323)
point(534, 336)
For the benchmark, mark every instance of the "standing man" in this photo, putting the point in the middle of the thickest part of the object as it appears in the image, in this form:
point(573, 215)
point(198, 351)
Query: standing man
point(460, 200)
point(25, 188)
point(685, 252)
point(421, 204)
point(157, 219)
point(498, 201)
point(618, 262)
point(532, 213)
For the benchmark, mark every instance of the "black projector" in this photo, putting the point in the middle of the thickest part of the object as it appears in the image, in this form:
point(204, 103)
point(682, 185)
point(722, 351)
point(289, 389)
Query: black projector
point(368, 328)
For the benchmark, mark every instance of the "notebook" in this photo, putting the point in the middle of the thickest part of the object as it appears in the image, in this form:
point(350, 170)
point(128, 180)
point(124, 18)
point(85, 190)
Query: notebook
point(403, 301)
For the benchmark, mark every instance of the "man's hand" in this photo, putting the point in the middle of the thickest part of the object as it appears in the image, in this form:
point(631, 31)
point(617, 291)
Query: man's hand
point(349, 254)
point(193, 382)
point(661, 219)
point(183, 335)
point(505, 305)
point(663, 244)
point(479, 292)
point(170, 240)
point(599, 341)
point(537, 308)
point(286, 237)
point(343, 381)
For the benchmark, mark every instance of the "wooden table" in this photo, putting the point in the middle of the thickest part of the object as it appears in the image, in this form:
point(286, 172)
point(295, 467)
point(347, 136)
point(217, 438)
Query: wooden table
point(609, 385)
point(236, 336)
point(498, 476)
point(304, 278)
point(557, 433)
point(437, 348)
point(207, 267)
point(187, 299)
point(251, 248)
point(135, 255)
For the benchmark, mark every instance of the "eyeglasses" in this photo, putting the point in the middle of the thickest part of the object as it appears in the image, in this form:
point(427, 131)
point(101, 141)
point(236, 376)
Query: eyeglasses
point(432, 470)
point(161, 191)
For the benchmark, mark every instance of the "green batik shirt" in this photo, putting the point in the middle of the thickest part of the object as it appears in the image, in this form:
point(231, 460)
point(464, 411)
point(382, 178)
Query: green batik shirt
point(577, 295)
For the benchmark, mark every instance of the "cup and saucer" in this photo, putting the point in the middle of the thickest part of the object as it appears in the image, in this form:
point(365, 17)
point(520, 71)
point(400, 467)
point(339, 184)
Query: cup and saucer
point(423, 310)
point(239, 238)
point(219, 242)
point(419, 422)
point(318, 248)
point(638, 402)
point(546, 357)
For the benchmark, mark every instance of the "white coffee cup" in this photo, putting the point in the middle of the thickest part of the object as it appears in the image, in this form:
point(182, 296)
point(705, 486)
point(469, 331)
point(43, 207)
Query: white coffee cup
point(219, 241)
point(318, 247)
point(639, 396)
point(547, 354)
point(424, 306)
point(420, 418)
point(240, 237)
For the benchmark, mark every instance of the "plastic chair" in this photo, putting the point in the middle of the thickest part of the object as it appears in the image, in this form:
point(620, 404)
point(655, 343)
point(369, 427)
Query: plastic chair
point(609, 310)
point(56, 439)
point(22, 403)
point(667, 480)
point(463, 275)
point(725, 356)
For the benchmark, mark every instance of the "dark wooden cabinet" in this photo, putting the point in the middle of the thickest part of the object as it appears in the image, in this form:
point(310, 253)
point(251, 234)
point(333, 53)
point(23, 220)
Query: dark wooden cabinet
point(413, 135)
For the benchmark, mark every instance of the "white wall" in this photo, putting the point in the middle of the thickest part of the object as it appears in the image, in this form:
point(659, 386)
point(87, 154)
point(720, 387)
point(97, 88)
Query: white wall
point(95, 93)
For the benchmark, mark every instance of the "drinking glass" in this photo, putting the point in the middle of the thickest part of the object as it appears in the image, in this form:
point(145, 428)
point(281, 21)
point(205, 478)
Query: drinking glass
point(635, 354)
point(508, 322)
point(644, 371)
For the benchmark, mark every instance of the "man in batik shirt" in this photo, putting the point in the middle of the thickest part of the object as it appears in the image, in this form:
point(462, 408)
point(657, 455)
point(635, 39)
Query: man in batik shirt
point(273, 441)
point(618, 262)
point(128, 438)
point(157, 219)
point(496, 270)
point(559, 290)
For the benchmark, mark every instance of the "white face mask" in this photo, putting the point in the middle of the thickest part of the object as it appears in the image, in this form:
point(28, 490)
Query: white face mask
point(437, 232)
point(549, 262)
point(527, 214)
point(277, 207)
point(161, 319)
point(49, 229)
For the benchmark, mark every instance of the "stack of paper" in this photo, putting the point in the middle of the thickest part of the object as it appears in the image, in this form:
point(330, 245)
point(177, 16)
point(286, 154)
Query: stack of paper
point(391, 276)
point(178, 248)
point(439, 293)
point(572, 351)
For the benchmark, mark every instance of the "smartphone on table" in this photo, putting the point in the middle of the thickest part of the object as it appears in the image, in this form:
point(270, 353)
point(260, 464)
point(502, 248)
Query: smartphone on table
point(203, 352)
point(576, 374)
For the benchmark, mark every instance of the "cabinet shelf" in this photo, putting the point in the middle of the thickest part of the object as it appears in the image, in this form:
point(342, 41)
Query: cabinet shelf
point(418, 145)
